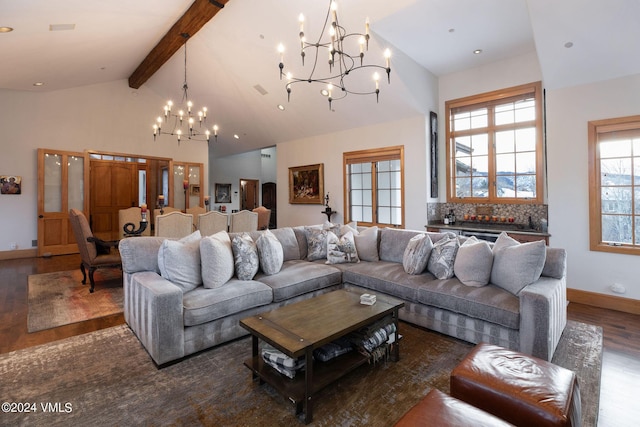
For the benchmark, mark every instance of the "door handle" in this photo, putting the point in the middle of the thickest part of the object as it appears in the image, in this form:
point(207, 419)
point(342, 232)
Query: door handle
point(40, 216)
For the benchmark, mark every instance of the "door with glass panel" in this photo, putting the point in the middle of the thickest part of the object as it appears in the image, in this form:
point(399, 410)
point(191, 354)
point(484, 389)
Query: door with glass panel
point(62, 176)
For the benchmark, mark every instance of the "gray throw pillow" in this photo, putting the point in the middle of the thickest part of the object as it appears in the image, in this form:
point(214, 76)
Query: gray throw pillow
point(270, 253)
point(473, 262)
point(179, 261)
point(245, 254)
point(416, 254)
point(443, 256)
point(341, 250)
point(217, 260)
point(516, 265)
point(367, 244)
point(316, 243)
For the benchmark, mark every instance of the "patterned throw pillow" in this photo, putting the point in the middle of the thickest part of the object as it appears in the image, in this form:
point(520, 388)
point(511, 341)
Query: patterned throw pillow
point(217, 260)
point(270, 253)
point(416, 254)
point(341, 250)
point(245, 254)
point(179, 261)
point(316, 243)
point(443, 256)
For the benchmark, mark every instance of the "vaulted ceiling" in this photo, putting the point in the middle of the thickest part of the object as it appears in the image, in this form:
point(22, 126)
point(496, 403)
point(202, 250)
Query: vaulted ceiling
point(233, 63)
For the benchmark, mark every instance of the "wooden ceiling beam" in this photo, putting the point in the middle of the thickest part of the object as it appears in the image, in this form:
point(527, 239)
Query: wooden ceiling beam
point(198, 14)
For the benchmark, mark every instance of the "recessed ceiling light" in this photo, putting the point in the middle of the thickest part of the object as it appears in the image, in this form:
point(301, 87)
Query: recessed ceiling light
point(477, 51)
point(5, 29)
point(280, 107)
point(38, 84)
point(235, 135)
point(568, 45)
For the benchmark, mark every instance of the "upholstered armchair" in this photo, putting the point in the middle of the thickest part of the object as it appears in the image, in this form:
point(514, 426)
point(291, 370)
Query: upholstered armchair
point(264, 216)
point(174, 224)
point(243, 221)
point(212, 222)
point(94, 253)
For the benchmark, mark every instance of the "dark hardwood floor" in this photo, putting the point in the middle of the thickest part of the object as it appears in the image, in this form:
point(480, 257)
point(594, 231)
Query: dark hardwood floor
point(621, 358)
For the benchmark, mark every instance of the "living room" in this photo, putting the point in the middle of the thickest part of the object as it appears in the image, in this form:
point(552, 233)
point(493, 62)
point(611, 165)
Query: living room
point(109, 116)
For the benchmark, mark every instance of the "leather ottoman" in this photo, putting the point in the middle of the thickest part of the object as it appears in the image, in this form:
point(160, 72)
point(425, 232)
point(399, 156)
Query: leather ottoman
point(520, 389)
point(439, 409)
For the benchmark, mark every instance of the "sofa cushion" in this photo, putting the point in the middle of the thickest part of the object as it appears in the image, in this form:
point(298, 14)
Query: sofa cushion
point(384, 276)
point(203, 305)
point(245, 254)
point(342, 249)
point(416, 254)
point(473, 262)
point(299, 277)
point(289, 242)
point(270, 253)
point(367, 244)
point(516, 265)
point(393, 242)
point(217, 259)
point(443, 256)
point(179, 261)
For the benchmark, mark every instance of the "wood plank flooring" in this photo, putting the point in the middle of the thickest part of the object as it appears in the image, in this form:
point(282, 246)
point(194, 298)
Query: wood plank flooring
point(621, 360)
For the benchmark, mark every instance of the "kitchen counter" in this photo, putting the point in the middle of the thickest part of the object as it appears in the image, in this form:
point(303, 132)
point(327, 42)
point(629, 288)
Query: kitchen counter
point(520, 232)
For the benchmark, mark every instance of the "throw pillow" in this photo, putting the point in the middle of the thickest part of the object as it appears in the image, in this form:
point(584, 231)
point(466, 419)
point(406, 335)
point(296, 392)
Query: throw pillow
point(179, 261)
point(517, 265)
point(367, 244)
point(245, 254)
point(341, 250)
point(443, 256)
point(316, 243)
point(473, 262)
point(416, 254)
point(270, 253)
point(217, 260)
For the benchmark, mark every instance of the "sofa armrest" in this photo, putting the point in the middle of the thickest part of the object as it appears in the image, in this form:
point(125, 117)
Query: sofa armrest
point(140, 253)
point(543, 316)
point(154, 313)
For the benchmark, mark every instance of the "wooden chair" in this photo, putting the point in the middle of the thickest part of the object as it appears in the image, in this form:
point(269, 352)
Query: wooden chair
point(174, 225)
point(264, 216)
point(94, 253)
point(195, 211)
point(212, 222)
point(132, 215)
point(243, 221)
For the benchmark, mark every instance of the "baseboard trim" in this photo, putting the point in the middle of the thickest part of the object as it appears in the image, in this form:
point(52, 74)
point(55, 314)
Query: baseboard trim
point(611, 302)
point(21, 253)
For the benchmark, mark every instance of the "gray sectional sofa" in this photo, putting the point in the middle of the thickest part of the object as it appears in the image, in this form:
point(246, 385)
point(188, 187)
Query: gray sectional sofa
point(173, 321)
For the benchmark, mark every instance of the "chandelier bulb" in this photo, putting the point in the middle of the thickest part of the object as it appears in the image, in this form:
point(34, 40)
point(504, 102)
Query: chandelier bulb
point(204, 112)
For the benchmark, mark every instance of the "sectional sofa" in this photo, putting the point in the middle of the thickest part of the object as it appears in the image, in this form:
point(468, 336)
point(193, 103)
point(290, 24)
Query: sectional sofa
point(183, 296)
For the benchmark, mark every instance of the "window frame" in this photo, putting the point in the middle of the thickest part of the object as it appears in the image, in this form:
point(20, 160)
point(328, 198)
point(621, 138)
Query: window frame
point(373, 156)
point(490, 99)
point(595, 128)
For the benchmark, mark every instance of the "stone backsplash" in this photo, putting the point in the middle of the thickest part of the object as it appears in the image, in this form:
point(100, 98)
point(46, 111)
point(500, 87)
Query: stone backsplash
point(520, 212)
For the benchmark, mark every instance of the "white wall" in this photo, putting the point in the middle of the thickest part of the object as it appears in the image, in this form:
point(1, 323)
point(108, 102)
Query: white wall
point(107, 117)
point(328, 149)
point(568, 111)
point(230, 169)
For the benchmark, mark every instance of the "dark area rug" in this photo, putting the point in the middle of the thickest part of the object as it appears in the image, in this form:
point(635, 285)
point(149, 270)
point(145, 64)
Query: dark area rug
point(106, 378)
point(60, 298)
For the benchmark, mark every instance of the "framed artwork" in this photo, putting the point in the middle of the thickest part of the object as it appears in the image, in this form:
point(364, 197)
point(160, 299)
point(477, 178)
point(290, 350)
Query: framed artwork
point(10, 184)
point(194, 190)
point(306, 184)
point(223, 193)
point(433, 151)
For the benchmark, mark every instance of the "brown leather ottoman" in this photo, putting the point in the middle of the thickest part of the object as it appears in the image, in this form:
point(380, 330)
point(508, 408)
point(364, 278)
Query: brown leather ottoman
point(521, 389)
point(439, 409)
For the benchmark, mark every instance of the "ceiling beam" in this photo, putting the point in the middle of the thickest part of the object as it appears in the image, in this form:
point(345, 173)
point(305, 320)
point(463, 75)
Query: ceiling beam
point(198, 14)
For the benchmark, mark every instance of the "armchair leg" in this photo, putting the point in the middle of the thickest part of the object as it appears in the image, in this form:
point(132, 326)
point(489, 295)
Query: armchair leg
point(93, 283)
point(84, 274)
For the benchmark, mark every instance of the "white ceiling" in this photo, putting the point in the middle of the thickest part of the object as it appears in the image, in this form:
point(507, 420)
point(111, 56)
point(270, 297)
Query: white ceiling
point(236, 51)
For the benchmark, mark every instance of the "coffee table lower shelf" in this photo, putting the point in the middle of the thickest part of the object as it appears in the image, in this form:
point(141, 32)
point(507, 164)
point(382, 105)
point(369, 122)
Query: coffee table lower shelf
point(324, 373)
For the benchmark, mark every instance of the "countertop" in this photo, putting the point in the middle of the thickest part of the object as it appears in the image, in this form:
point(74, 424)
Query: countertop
point(488, 226)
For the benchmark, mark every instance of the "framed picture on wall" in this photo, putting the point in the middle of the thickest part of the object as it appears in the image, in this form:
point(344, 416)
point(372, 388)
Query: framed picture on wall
point(10, 184)
point(306, 184)
point(223, 193)
point(194, 190)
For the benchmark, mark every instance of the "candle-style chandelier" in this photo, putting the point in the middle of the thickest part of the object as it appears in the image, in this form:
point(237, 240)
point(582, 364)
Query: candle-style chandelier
point(184, 119)
point(331, 44)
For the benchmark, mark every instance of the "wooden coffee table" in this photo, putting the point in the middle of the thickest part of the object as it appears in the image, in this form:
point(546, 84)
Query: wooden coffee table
point(298, 329)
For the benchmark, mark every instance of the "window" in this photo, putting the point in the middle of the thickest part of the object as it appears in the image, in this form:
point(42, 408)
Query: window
point(494, 146)
point(614, 185)
point(374, 182)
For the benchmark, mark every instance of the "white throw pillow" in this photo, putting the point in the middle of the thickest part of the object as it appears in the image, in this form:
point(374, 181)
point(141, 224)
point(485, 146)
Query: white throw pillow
point(179, 261)
point(270, 253)
point(473, 262)
point(245, 254)
point(443, 256)
point(416, 254)
point(341, 250)
point(367, 244)
point(217, 260)
point(516, 265)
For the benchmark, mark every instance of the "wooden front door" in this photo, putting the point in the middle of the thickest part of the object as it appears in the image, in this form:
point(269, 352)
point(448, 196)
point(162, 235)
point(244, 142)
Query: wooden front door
point(269, 201)
point(249, 189)
point(62, 178)
point(114, 186)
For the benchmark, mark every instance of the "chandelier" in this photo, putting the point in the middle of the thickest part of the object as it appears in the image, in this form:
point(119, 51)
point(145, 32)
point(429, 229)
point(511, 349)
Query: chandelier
point(332, 44)
point(182, 123)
